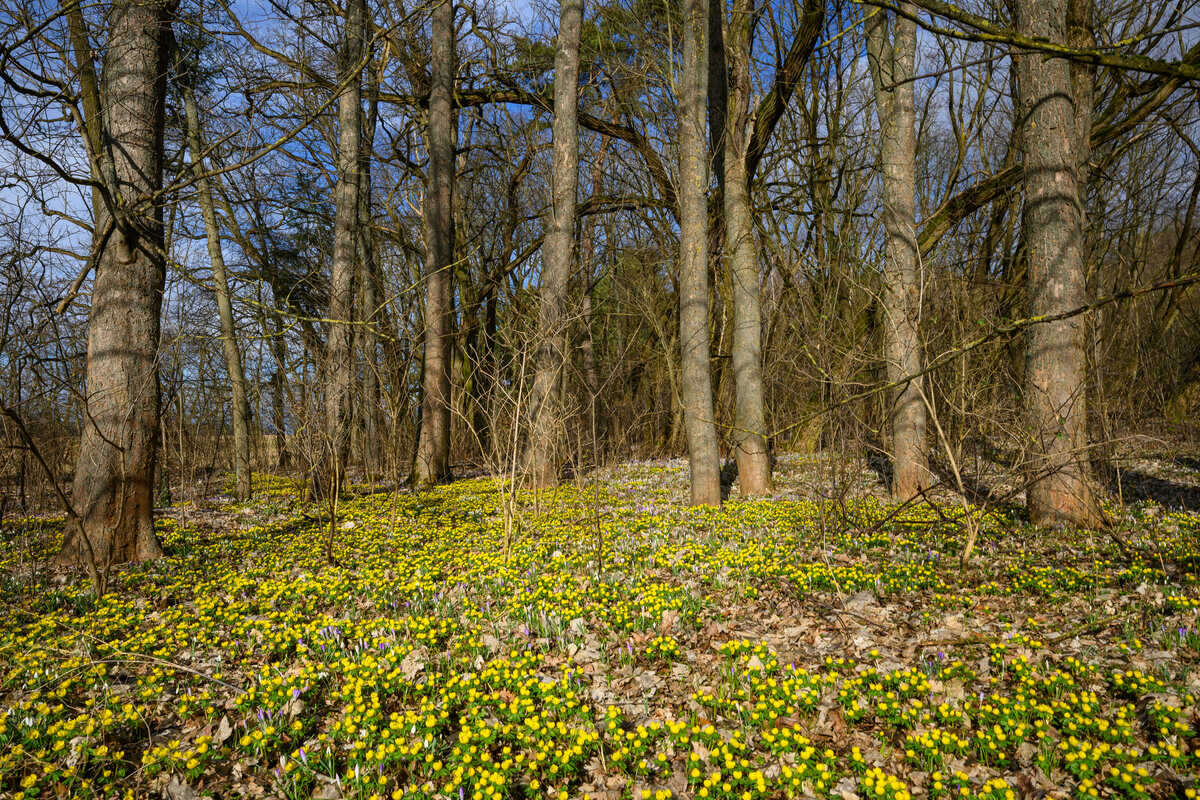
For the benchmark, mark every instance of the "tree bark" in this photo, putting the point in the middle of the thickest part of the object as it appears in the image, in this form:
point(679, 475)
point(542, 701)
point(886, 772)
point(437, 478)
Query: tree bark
point(891, 55)
point(695, 372)
point(229, 344)
point(545, 433)
point(367, 344)
point(113, 493)
point(433, 447)
point(1081, 33)
point(339, 367)
point(1058, 489)
point(741, 246)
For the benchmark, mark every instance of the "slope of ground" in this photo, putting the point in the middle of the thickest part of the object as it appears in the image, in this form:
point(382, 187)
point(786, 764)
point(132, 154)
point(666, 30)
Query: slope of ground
point(603, 641)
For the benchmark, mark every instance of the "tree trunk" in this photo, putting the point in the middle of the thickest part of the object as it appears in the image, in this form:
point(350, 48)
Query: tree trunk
point(1058, 481)
point(433, 448)
point(485, 381)
point(233, 353)
point(546, 425)
point(597, 418)
point(367, 345)
point(328, 477)
point(891, 55)
point(113, 493)
point(741, 247)
point(1081, 34)
point(695, 373)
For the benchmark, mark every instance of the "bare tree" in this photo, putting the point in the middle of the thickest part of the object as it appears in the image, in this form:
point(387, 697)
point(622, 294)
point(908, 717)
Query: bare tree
point(371, 313)
point(433, 448)
point(891, 52)
point(339, 367)
point(229, 343)
point(544, 434)
point(1058, 490)
point(695, 372)
point(741, 250)
point(114, 471)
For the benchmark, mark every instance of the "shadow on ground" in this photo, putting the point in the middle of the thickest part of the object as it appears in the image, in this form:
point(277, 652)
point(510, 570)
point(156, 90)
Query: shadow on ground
point(1133, 485)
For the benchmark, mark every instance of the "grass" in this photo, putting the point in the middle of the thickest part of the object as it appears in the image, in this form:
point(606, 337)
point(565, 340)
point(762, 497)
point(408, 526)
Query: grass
point(756, 651)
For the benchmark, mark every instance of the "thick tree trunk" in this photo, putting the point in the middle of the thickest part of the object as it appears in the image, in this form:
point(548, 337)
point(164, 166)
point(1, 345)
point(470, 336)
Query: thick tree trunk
point(1058, 483)
point(695, 373)
point(891, 55)
point(750, 421)
point(339, 367)
point(113, 493)
point(545, 432)
point(433, 448)
point(229, 344)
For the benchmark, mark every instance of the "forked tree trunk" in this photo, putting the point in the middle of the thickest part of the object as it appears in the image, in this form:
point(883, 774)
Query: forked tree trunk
point(113, 492)
point(891, 54)
point(433, 448)
point(229, 344)
point(1059, 489)
point(546, 425)
point(695, 373)
point(339, 366)
point(741, 247)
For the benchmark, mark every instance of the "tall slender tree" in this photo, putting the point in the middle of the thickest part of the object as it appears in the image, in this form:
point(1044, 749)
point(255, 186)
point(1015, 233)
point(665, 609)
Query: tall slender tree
point(1059, 489)
point(695, 368)
point(891, 53)
point(741, 252)
point(433, 446)
point(113, 494)
point(339, 366)
point(545, 427)
point(369, 408)
point(229, 343)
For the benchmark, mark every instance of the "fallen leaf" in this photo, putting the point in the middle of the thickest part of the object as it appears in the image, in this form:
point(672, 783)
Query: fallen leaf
point(412, 664)
point(224, 731)
point(178, 789)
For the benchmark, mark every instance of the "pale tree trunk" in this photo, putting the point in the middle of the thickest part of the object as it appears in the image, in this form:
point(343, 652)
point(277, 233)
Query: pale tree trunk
point(1058, 483)
point(113, 494)
point(750, 421)
point(891, 54)
point(339, 367)
point(695, 369)
point(545, 437)
point(433, 448)
point(229, 344)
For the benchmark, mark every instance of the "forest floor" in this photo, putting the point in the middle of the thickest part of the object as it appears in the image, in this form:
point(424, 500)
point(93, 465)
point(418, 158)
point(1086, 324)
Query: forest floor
point(603, 641)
